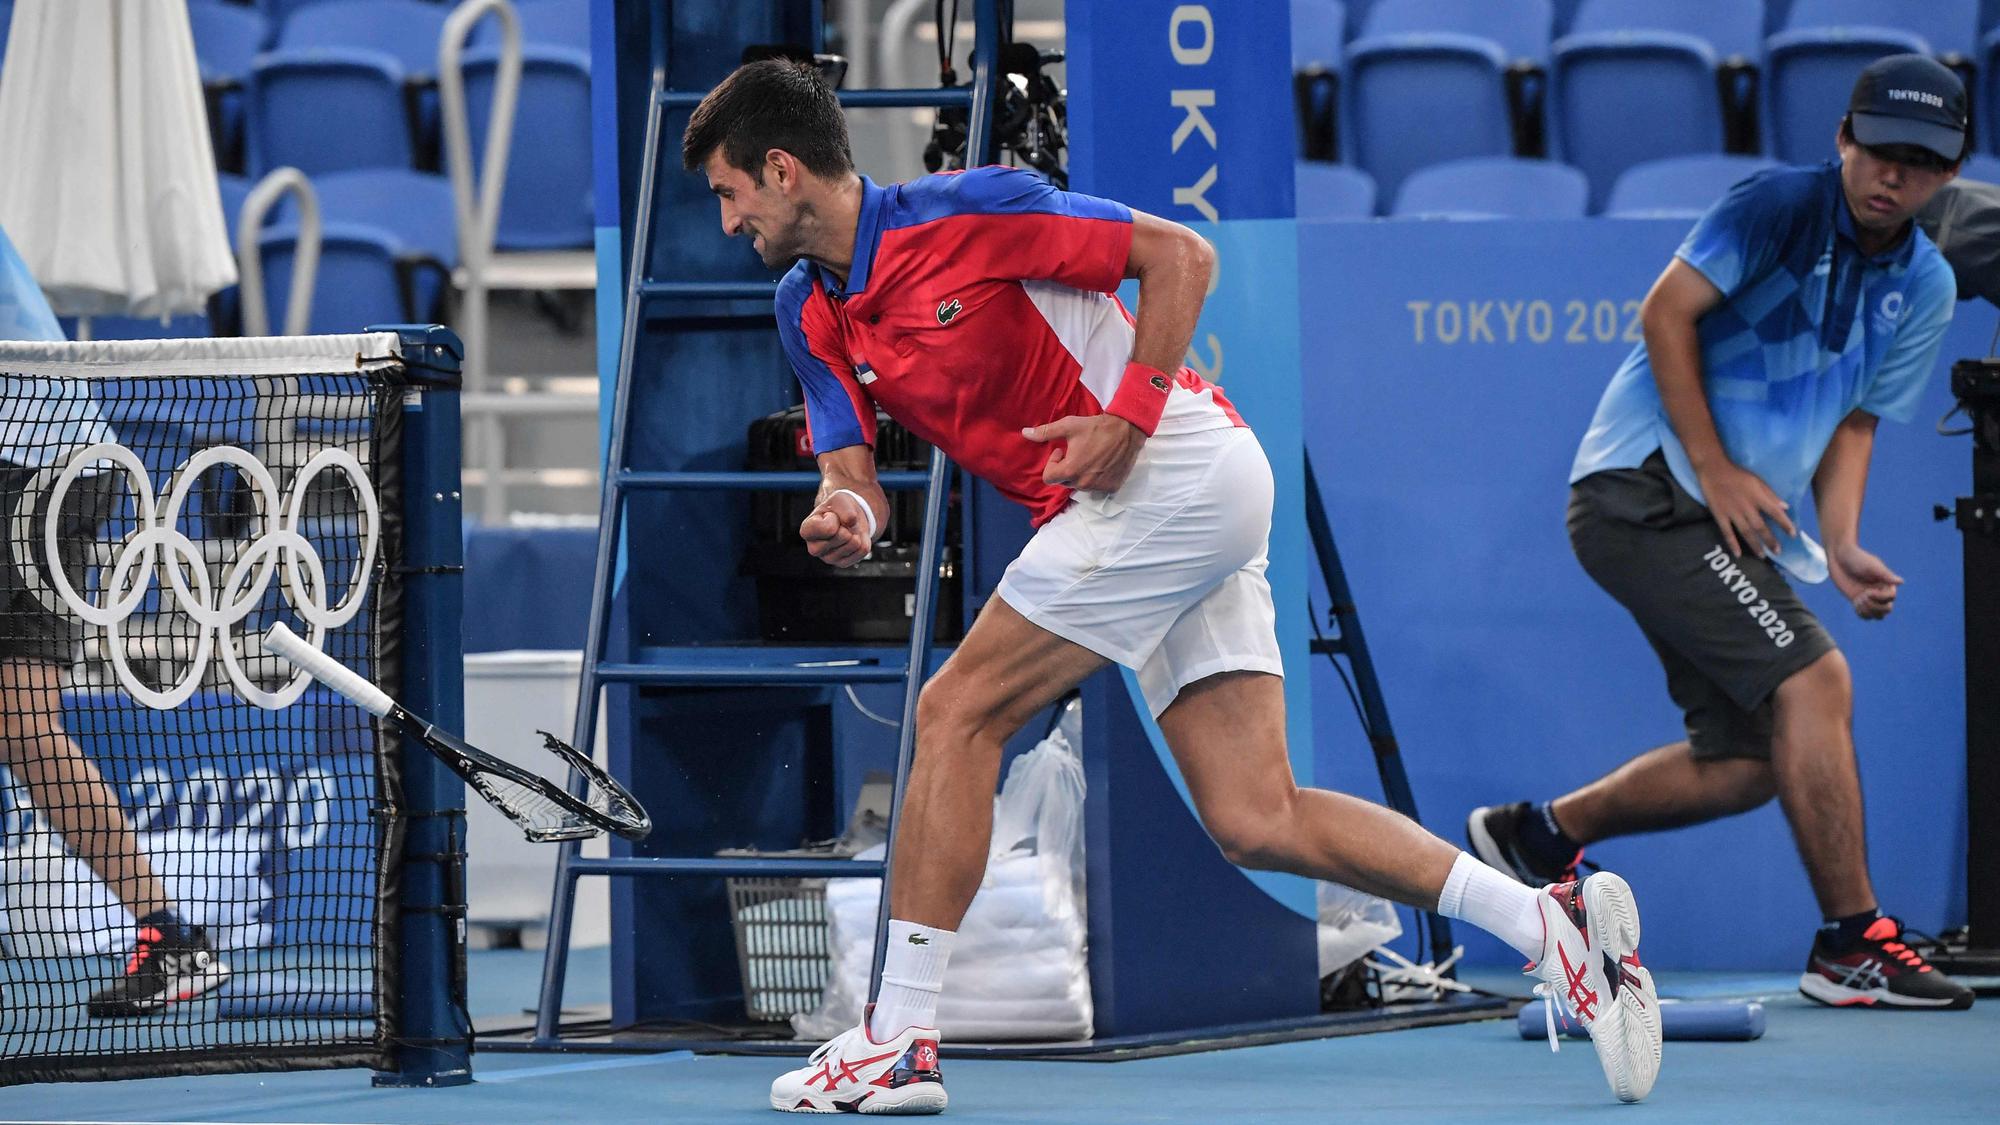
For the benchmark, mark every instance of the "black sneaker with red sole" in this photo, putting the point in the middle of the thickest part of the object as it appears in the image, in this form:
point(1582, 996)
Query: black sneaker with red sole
point(1493, 835)
point(169, 964)
point(1880, 971)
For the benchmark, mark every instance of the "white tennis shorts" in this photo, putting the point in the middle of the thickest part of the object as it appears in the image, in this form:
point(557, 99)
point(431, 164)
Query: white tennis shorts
point(1166, 575)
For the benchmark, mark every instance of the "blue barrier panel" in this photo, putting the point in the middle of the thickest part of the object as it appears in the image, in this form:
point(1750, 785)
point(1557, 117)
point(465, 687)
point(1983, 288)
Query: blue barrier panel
point(1171, 113)
point(1450, 370)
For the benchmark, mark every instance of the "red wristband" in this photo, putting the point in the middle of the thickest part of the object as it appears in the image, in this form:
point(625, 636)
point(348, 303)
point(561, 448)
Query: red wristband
point(1142, 396)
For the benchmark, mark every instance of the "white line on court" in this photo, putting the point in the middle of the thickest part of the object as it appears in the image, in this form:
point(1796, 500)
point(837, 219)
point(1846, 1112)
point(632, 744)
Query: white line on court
point(491, 1078)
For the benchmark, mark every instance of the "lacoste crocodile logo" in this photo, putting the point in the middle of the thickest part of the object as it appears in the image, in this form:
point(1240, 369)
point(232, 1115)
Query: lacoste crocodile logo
point(948, 310)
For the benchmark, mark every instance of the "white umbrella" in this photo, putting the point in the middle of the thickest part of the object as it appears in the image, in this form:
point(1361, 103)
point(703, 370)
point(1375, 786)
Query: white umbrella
point(107, 181)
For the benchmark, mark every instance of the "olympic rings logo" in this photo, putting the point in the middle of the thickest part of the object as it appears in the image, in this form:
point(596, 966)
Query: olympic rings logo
point(215, 606)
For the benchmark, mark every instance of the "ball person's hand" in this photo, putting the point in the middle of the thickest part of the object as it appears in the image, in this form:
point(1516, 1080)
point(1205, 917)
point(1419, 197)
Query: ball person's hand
point(1740, 501)
point(836, 532)
point(1868, 583)
point(1093, 454)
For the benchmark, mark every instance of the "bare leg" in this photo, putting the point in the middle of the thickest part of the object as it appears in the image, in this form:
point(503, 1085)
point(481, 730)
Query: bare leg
point(66, 787)
point(1812, 755)
point(1664, 788)
point(1007, 669)
point(1227, 732)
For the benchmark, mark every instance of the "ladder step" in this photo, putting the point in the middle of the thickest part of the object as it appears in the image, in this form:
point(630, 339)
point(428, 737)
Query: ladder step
point(709, 290)
point(916, 98)
point(690, 674)
point(718, 482)
point(794, 867)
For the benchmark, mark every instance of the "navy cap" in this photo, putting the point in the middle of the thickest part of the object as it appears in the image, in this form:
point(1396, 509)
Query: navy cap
point(1910, 100)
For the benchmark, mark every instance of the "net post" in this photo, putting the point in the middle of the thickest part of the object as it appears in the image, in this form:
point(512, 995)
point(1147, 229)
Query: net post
point(433, 1039)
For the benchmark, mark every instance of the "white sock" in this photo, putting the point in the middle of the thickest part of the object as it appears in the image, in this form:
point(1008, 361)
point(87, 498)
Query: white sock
point(1495, 903)
point(912, 978)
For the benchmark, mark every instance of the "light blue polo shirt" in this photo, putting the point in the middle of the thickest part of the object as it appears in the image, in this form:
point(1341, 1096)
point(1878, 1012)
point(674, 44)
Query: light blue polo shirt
point(1809, 330)
point(40, 419)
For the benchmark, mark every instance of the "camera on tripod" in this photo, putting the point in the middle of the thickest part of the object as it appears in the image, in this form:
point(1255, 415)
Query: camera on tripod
point(1032, 123)
point(1975, 383)
point(1974, 950)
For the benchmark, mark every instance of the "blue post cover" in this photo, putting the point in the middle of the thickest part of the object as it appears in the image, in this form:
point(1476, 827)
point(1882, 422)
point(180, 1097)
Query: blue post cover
point(434, 1031)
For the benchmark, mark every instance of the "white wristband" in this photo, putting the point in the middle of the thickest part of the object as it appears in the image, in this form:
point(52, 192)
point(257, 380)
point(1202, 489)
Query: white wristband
point(866, 510)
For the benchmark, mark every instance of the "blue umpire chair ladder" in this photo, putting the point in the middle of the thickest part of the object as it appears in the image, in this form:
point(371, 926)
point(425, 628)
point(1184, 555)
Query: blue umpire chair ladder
point(1348, 641)
point(642, 294)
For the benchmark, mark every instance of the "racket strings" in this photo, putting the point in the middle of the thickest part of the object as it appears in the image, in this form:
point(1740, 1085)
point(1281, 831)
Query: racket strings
point(600, 792)
point(534, 810)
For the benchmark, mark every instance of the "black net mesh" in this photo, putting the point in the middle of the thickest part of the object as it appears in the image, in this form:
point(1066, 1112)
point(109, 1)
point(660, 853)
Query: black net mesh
point(192, 845)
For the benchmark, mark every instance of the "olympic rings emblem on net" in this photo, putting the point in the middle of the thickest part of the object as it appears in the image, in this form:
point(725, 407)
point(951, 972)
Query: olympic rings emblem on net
point(215, 606)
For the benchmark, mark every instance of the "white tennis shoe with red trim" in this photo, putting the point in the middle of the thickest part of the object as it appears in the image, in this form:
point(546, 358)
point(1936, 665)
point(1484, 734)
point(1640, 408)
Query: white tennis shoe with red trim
point(854, 1074)
point(1590, 965)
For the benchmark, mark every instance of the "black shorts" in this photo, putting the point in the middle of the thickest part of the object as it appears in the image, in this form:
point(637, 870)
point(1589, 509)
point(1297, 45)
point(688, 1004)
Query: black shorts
point(1728, 630)
point(28, 630)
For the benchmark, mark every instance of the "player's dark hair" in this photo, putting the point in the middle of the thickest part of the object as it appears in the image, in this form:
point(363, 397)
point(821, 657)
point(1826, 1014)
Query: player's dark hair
point(772, 103)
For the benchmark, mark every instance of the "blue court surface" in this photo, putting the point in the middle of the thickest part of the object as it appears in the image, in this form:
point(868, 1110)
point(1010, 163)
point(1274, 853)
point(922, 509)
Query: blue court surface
point(1813, 1064)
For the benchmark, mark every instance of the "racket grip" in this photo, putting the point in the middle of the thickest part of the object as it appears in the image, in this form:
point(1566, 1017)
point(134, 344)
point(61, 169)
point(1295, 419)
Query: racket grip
point(327, 670)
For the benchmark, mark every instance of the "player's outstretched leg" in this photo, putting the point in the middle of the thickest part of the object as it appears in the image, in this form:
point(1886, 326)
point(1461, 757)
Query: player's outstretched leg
point(1582, 938)
point(853, 1073)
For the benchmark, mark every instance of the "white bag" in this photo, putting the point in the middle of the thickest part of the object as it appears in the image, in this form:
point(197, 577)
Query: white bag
point(1020, 967)
point(1350, 924)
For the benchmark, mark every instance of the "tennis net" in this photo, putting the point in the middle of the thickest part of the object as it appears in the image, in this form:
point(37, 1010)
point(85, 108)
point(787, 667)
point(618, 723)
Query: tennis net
point(198, 845)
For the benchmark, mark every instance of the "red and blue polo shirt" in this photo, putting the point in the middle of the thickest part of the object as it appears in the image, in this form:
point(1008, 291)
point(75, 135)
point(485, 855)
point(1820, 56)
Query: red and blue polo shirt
point(980, 303)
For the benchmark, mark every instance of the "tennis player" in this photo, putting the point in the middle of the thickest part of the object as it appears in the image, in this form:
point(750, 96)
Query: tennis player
point(1801, 309)
point(975, 309)
point(40, 421)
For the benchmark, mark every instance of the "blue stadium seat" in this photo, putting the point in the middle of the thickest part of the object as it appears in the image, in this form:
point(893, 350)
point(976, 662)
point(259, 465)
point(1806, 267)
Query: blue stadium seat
point(414, 206)
point(406, 29)
point(1319, 27)
point(1485, 187)
point(227, 38)
point(566, 23)
point(280, 10)
point(1981, 166)
point(1428, 81)
point(1333, 191)
point(1679, 187)
point(389, 244)
point(361, 278)
point(1810, 67)
point(1637, 80)
point(1951, 27)
point(547, 201)
point(328, 110)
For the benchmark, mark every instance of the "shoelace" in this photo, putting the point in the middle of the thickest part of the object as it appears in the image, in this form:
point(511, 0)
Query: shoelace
point(1399, 970)
point(148, 937)
point(1550, 997)
point(828, 1046)
point(1905, 954)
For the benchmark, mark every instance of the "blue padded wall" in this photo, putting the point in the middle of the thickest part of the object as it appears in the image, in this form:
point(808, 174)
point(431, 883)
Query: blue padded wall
point(1450, 372)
